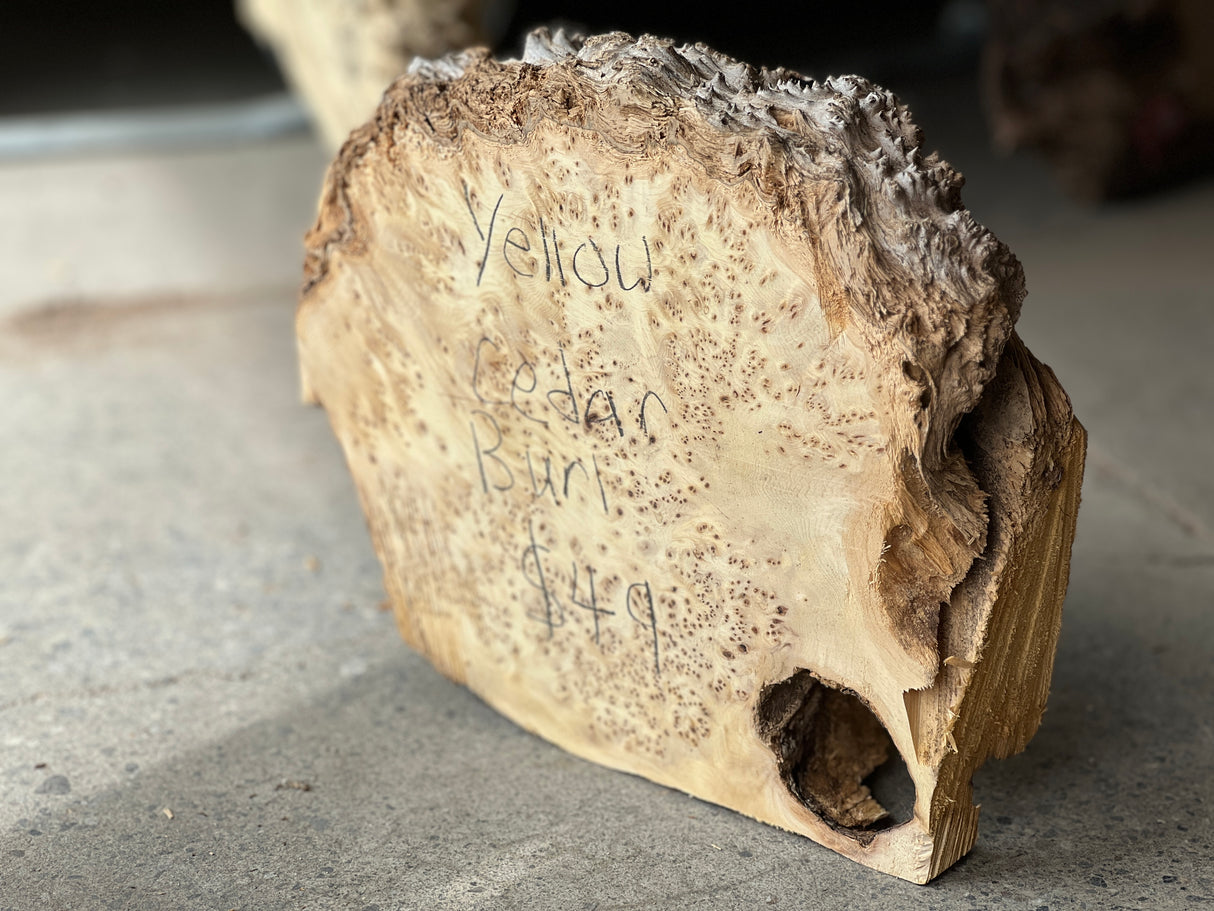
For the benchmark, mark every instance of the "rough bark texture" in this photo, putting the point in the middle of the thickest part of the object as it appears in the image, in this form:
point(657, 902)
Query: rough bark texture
point(339, 54)
point(685, 406)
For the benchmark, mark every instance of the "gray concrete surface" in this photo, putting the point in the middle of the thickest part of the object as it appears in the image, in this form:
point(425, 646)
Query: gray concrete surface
point(202, 705)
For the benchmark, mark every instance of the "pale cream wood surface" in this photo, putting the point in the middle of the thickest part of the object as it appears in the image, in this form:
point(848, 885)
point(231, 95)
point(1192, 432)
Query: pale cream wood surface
point(686, 409)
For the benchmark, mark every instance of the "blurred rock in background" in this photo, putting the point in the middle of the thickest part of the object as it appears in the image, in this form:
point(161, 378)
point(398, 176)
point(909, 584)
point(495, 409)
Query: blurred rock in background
point(1118, 95)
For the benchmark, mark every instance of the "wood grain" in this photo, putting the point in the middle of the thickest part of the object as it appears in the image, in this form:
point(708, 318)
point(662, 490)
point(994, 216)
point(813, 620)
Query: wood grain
point(685, 406)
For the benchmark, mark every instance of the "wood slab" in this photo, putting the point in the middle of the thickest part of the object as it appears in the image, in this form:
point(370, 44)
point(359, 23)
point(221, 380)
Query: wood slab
point(685, 406)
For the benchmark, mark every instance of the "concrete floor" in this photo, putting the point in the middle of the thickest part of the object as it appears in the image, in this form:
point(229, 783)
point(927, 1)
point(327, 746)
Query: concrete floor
point(203, 705)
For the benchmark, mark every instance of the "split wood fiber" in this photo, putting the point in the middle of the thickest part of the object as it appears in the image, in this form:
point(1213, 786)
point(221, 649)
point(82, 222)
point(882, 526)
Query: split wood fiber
point(685, 406)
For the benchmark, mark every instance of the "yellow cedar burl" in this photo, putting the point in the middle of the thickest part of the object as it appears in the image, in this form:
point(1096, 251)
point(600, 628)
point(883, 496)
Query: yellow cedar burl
point(685, 407)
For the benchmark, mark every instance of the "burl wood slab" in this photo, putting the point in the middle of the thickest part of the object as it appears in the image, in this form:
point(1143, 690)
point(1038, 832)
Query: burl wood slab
point(685, 406)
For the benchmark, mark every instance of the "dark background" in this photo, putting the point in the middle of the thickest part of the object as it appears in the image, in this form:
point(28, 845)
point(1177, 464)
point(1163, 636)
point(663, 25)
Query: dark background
point(129, 53)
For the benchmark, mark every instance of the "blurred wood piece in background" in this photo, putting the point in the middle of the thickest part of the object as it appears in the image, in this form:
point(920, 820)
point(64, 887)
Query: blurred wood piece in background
point(340, 55)
point(1118, 95)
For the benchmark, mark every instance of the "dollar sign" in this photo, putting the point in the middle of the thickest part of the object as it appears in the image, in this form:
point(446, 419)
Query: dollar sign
point(554, 614)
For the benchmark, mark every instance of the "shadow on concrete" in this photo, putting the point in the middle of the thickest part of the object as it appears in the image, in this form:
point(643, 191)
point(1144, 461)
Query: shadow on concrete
point(397, 789)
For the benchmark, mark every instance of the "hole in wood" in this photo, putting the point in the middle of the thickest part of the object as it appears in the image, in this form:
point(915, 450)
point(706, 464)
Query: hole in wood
point(835, 756)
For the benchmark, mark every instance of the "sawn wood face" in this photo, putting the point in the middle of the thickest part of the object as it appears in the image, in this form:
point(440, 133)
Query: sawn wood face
point(650, 469)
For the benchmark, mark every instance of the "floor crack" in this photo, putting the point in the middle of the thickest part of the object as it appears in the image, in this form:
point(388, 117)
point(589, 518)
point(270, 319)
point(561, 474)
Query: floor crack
point(1149, 495)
